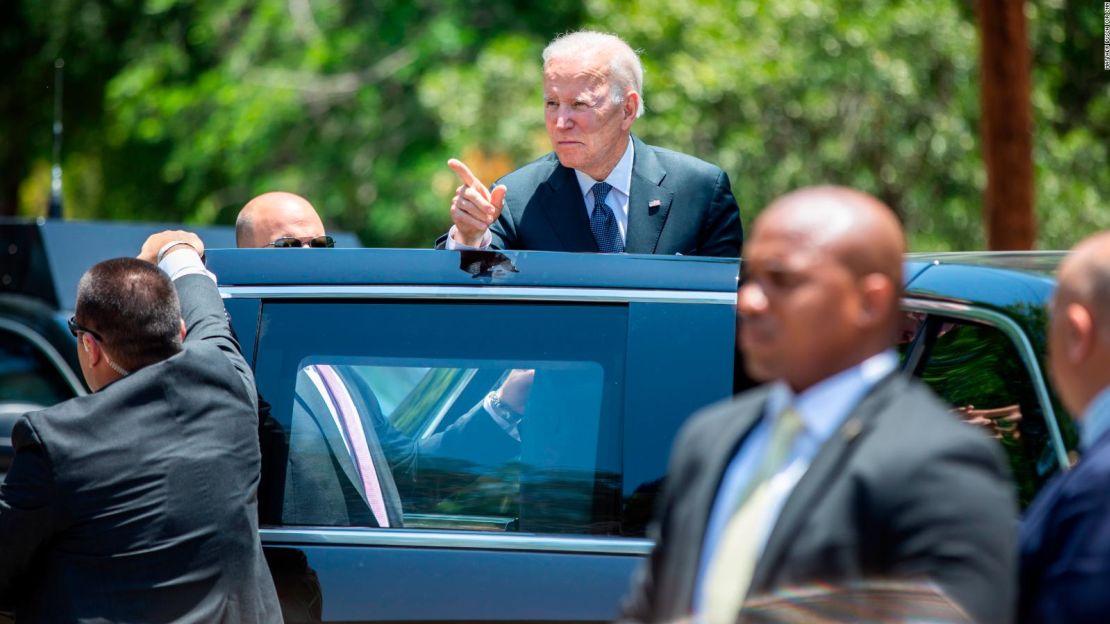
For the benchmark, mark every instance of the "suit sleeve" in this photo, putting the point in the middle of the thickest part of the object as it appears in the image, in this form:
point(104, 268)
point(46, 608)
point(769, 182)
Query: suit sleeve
point(957, 525)
point(206, 320)
point(27, 509)
point(474, 437)
point(1068, 580)
point(722, 235)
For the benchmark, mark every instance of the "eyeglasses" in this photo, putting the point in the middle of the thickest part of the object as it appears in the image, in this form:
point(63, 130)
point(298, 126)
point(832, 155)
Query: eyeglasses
point(292, 241)
point(76, 328)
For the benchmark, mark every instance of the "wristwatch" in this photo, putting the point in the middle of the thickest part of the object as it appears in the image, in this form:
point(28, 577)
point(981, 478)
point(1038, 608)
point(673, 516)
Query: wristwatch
point(503, 410)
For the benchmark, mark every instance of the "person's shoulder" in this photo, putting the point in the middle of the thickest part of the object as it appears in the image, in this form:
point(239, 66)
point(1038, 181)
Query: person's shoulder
point(1092, 473)
point(56, 426)
point(916, 426)
point(532, 173)
point(674, 161)
point(709, 421)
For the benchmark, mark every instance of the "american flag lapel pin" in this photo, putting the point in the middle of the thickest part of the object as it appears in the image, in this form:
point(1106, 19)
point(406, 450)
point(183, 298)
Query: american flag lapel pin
point(655, 203)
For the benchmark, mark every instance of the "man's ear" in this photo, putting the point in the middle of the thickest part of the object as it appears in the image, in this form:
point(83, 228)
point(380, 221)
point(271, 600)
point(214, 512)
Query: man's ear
point(182, 329)
point(1080, 331)
point(631, 107)
point(92, 349)
point(876, 299)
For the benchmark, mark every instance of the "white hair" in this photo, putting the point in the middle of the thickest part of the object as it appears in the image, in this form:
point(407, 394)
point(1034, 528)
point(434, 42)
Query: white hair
point(625, 70)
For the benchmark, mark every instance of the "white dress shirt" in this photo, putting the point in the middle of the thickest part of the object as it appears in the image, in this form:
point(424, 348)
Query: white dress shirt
point(620, 178)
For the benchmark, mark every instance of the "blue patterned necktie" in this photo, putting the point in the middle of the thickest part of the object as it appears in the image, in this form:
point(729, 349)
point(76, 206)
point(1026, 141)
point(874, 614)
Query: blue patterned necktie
point(602, 222)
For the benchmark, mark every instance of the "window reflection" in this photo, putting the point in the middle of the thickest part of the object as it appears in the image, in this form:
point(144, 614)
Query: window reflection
point(503, 446)
point(976, 369)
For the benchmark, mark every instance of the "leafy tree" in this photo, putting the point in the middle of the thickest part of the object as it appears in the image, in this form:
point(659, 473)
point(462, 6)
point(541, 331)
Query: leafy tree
point(183, 110)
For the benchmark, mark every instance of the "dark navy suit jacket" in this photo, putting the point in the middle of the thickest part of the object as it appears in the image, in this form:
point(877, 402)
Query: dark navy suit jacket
point(1065, 545)
point(677, 204)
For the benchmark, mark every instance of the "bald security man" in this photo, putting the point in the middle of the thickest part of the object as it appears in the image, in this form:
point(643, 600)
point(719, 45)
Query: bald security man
point(1065, 537)
point(280, 219)
point(601, 189)
point(838, 469)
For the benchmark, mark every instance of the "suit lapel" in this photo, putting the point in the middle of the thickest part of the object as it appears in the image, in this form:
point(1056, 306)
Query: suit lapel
point(718, 452)
point(814, 483)
point(649, 203)
point(561, 202)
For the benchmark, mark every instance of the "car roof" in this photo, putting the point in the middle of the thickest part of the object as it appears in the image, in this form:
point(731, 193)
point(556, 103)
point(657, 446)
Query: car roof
point(997, 279)
point(340, 267)
point(45, 258)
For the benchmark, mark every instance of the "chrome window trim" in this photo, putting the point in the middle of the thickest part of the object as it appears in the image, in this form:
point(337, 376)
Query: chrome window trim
point(464, 540)
point(486, 293)
point(1014, 332)
point(48, 350)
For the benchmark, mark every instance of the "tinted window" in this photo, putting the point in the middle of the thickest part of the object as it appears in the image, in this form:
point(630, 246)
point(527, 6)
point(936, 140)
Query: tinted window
point(977, 369)
point(444, 415)
point(27, 375)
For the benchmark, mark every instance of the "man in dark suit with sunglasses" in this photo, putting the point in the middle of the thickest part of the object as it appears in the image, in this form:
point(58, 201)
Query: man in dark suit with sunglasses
point(280, 219)
point(137, 502)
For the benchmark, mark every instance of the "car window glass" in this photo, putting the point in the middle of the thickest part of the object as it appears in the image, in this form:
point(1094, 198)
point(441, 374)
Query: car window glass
point(407, 428)
point(977, 370)
point(27, 376)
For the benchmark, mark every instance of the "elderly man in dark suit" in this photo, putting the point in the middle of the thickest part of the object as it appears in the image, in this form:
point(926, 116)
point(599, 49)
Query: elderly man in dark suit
point(1065, 537)
point(840, 469)
point(601, 189)
point(137, 503)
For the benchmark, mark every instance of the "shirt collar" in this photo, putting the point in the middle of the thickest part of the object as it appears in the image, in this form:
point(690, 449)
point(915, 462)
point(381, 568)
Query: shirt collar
point(1096, 420)
point(620, 178)
point(825, 405)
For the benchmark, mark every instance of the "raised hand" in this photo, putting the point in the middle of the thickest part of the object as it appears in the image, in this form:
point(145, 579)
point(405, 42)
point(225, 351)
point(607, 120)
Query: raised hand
point(185, 240)
point(474, 207)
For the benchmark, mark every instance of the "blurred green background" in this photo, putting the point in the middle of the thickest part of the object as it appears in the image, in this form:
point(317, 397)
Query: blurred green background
point(182, 110)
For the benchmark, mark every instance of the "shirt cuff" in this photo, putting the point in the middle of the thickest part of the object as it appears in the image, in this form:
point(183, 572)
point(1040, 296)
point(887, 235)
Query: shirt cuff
point(501, 418)
point(487, 240)
point(184, 261)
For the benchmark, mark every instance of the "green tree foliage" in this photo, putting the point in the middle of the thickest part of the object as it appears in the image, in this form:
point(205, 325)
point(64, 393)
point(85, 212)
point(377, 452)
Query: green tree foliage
point(184, 109)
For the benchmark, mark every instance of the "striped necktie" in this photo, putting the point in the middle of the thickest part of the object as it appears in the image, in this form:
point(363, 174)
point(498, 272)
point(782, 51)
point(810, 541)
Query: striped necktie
point(729, 574)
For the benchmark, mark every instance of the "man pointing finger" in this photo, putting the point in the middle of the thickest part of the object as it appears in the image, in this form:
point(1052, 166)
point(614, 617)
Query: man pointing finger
point(601, 189)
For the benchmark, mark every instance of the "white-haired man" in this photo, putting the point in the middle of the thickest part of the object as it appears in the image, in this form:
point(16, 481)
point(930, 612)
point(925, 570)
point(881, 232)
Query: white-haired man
point(601, 189)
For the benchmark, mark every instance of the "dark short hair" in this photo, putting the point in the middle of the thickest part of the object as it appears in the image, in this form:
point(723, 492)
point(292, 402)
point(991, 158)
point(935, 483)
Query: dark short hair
point(133, 306)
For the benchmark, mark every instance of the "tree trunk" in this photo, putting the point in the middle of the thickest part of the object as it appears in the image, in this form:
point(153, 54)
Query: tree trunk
point(1007, 124)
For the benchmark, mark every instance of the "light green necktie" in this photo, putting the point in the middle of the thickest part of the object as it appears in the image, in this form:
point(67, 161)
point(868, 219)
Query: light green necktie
point(729, 574)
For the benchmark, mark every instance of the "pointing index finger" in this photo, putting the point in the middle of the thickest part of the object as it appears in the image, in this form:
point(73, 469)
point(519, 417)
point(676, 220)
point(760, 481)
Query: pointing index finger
point(467, 176)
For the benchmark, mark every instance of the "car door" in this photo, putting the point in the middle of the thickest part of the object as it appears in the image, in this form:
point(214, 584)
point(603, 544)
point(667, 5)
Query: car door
point(33, 376)
point(459, 507)
point(983, 364)
point(498, 520)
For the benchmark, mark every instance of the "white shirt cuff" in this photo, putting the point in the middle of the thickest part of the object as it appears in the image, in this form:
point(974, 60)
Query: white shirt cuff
point(183, 261)
point(452, 244)
point(509, 428)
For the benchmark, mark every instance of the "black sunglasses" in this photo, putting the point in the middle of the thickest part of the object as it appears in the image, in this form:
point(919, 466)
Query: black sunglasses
point(76, 328)
point(291, 241)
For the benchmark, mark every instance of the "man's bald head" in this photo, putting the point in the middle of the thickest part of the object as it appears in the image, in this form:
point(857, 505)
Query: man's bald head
point(856, 228)
point(821, 285)
point(1079, 331)
point(1084, 277)
point(271, 216)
